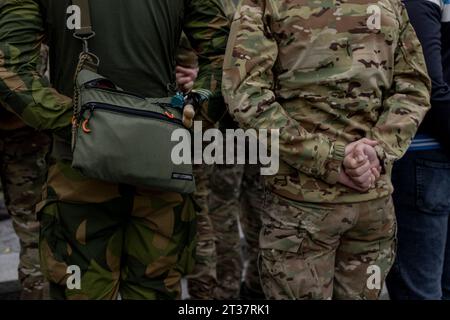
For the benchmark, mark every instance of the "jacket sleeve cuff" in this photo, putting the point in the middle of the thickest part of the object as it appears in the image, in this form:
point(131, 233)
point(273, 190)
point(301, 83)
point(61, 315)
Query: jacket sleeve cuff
point(333, 165)
point(384, 161)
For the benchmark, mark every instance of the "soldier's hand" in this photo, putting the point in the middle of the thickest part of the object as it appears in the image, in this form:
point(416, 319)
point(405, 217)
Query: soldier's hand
point(361, 165)
point(347, 181)
point(186, 78)
point(363, 158)
point(188, 116)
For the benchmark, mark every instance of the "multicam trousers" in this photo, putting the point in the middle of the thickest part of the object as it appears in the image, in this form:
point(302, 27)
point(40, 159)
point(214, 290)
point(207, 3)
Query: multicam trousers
point(237, 195)
point(203, 280)
point(326, 251)
point(123, 240)
point(23, 171)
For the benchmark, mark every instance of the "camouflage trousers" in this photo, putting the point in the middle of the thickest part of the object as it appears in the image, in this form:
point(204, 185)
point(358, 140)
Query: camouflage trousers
point(203, 280)
point(23, 171)
point(122, 240)
point(326, 251)
point(237, 195)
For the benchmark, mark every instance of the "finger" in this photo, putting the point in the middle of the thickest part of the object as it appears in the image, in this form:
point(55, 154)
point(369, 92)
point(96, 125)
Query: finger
point(370, 142)
point(188, 86)
point(350, 162)
point(346, 181)
point(369, 183)
point(376, 173)
point(184, 80)
point(349, 148)
point(363, 179)
point(187, 122)
point(189, 112)
point(372, 182)
point(187, 71)
point(358, 152)
point(359, 171)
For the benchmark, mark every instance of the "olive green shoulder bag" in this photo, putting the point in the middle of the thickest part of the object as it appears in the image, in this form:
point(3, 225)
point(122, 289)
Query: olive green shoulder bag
point(120, 136)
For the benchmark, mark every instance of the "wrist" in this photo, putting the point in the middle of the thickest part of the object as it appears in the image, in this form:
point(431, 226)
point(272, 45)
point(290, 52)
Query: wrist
point(333, 166)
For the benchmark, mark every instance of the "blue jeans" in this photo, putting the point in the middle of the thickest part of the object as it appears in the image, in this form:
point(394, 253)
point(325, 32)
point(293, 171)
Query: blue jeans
point(422, 202)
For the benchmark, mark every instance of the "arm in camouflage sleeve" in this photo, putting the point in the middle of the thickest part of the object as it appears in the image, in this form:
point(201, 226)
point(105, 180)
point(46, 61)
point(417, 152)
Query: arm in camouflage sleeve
point(22, 89)
point(248, 89)
point(207, 29)
point(408, 100)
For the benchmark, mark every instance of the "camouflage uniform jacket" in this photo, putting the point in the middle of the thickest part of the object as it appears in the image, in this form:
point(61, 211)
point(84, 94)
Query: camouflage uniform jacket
point(326, 73)
point(10, 121)
point(186, 56)
point(136, 42)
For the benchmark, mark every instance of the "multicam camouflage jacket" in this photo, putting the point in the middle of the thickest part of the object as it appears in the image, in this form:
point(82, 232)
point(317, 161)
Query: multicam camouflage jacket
point(136, 42)
point(326, 73)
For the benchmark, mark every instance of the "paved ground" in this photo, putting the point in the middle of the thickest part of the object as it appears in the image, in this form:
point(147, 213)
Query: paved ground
point(9, 259)
point(9, 251)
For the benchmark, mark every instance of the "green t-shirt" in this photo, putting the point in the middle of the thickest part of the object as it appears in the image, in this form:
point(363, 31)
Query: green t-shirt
point(136, 42)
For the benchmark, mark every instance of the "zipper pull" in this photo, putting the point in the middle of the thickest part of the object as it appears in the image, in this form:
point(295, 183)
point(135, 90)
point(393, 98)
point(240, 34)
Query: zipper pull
point(168, 114)
point(84, 125)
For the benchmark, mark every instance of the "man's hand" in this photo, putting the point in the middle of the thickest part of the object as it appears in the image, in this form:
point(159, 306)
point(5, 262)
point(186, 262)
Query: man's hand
point(188, 116)
point(185, 81)
point(362, 159)
point(186, 78)
point(361, 166)
point(347, 181)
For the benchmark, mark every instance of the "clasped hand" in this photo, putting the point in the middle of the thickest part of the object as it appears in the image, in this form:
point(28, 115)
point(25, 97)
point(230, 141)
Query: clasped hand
point(185, 81)
point(361, 166)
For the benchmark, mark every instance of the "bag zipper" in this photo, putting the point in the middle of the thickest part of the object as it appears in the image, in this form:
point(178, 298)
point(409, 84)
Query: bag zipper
point(135, 112)
point(94, 85)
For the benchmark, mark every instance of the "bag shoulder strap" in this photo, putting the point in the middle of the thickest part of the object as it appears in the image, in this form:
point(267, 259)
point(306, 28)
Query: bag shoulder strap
point(86, 59)
point(85, 31)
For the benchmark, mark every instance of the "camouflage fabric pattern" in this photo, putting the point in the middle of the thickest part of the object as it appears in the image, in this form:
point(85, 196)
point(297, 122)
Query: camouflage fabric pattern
point(43, 67)
point(8, 120)
point(326, 251)
point(126, 240)
point(81, 217)
point(29, 95)
point(229, 7)
point(186, 56)
point(252, 201)
point(225, 208)
point(203, 279)
point(326, 74)
point(23, 172)
point(237, 195)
